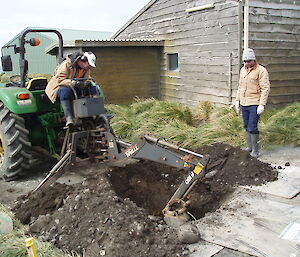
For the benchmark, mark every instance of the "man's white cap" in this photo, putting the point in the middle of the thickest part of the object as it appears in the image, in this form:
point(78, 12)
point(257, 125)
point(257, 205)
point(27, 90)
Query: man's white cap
point(248, 54)
point(91, 58)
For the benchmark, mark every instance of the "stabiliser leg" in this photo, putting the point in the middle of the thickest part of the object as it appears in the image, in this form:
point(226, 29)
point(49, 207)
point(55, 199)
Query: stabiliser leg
point(68, 155)
point(55, 170)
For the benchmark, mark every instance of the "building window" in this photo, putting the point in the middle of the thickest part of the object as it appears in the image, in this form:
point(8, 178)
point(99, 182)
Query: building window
point(173, 64)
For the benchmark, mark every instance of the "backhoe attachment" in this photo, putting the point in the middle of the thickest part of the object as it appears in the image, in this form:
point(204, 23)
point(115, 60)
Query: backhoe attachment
point(100, 143)
point(162, 151)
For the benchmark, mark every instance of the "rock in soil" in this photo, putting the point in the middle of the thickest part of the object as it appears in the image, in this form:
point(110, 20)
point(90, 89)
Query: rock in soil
point(188, 234)
point(6, 224)
point(118, 213)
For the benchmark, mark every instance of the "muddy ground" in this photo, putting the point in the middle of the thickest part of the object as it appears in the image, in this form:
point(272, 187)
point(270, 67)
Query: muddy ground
point(117, 212)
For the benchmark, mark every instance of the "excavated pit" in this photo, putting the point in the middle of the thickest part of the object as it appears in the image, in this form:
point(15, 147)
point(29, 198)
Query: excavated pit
point(151, 185)
point(112, 212)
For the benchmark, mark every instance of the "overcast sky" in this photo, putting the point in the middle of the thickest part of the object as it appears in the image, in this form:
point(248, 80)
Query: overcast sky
point(100, 15)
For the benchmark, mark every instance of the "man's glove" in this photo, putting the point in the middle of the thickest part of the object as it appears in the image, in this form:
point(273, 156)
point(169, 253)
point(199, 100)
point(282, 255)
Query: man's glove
point(237, 107)
point(260, 109)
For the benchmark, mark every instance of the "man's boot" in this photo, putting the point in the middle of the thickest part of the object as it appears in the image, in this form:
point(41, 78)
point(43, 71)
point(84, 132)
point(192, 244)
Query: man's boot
point(68, 111)
point(249, 147)
point(254, 142)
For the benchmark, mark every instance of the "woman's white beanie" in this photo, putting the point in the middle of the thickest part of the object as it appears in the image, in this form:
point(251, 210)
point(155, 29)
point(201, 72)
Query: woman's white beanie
point(248, 54)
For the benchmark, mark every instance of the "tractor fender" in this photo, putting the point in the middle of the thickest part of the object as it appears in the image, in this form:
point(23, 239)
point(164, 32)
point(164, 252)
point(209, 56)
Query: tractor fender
point(9, 97)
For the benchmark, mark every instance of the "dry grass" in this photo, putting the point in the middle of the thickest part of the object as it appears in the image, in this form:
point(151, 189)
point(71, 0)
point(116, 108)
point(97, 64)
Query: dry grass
point(202, 112)
point(203, 124)
point(282, 126)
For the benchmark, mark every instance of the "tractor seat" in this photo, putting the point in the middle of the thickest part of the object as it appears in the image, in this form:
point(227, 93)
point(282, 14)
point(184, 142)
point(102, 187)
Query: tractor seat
point(37, 84)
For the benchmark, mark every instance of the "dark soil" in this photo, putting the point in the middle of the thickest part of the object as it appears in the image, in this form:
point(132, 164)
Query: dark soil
point(117, 213)
point(150, 185)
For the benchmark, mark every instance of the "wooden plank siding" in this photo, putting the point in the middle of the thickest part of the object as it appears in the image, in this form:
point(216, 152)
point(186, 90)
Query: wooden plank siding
point(274, 33)
point(204, 41)
point(209, 42)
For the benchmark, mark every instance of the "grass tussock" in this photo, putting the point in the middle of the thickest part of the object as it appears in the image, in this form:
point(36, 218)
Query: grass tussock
point(202, 112)
point(282, 127)
point(203, 124)
point(13, 244)
point(147, 116)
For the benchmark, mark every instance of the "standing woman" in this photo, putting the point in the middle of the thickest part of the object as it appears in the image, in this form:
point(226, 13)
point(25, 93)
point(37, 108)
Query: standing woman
point(252, 96)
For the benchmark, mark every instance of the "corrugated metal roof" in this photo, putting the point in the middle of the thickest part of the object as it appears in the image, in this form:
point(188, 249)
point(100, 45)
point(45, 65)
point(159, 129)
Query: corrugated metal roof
point(69, 34)
point(106, 42)
point(39, 62)
point(125, 40)
point(72, 34)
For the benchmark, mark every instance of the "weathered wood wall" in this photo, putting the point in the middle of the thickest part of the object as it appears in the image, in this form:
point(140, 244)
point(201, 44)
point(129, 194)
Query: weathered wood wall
point(274, 33)
point(127, 72)
point(204, 40)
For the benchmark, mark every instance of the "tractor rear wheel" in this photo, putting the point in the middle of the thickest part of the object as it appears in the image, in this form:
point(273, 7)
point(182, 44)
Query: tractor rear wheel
point(14, 144)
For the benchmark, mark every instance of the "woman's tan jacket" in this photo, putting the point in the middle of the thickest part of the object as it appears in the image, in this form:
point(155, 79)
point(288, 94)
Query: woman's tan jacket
point(254, 86)
point(62, 77)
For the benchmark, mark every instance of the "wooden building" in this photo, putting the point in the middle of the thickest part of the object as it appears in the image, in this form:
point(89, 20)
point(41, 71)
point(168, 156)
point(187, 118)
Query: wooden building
point(203, 43)
point(125, 69)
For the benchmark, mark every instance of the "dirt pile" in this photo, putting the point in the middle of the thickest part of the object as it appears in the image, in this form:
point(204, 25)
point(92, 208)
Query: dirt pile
point(93, 220)
point(116, 213)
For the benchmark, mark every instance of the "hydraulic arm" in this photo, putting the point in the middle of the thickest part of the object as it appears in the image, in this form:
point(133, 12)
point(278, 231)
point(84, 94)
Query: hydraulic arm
point(159, 150)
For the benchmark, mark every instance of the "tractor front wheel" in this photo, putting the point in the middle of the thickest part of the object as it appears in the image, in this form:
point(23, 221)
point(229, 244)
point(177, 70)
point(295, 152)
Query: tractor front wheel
point(14, 144)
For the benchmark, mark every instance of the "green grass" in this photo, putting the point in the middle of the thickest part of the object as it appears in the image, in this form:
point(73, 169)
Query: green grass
point(13, 244)
point(203, 124)
point(147, 116)
point(282, 127)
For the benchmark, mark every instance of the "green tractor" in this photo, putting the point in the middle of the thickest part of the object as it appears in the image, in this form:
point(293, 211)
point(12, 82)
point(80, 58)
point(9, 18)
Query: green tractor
point(27, 117)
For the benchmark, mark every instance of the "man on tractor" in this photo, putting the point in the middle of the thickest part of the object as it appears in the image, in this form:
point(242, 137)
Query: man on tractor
point(72, 77)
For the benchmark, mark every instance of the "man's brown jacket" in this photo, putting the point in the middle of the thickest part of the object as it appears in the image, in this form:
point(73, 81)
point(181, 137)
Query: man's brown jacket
point(254, 86)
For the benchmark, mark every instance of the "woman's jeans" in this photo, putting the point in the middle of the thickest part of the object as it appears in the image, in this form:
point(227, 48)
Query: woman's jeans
point(66, 93)
point(250, 118)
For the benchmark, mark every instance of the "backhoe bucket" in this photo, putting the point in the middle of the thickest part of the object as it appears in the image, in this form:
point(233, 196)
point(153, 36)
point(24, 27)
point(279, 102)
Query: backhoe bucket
point(175, 213)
